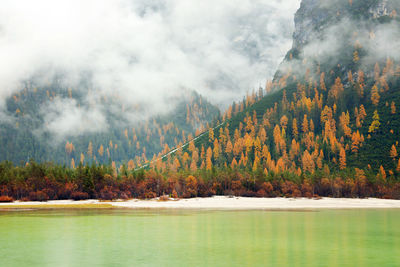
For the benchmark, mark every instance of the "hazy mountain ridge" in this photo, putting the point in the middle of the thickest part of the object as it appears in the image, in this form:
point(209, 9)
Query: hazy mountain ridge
point(30, 133)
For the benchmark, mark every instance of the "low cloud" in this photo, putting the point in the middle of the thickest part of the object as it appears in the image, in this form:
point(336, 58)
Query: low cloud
point(65, 117)
point(145, 52)
point(374, 41)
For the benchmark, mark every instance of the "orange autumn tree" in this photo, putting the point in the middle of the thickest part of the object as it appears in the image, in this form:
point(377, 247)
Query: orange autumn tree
point(393, 152)
point(375, 123)
point(393, 108)
point(375, 95)
point(295, 130)
point(308, 162)
point(208, 159)
point(342, 159)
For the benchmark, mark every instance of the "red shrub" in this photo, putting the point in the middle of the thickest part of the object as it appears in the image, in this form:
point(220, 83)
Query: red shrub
point(290, 189)
point(38, 196)
point(6, 199)
point(306, 189)
point(268, 188)
point(107, 193)
point(125, 195)
point(236, 187)
point(261, 193)
point(79, 195)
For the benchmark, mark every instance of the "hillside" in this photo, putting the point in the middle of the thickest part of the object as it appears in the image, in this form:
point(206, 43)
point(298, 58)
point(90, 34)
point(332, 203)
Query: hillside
point(27, 135)
point(329, 115)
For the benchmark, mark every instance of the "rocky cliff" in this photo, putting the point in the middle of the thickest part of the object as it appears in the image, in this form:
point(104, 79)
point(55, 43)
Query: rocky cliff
point(342, 33)
point(314, 16)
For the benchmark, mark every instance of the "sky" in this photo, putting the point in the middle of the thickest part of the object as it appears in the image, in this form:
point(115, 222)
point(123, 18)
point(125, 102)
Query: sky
point(148, 53)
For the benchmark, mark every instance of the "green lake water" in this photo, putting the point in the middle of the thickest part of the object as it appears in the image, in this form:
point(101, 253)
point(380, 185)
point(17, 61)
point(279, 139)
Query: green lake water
point(200, 238)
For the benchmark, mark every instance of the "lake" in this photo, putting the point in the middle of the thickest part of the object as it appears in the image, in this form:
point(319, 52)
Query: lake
point(119, 237)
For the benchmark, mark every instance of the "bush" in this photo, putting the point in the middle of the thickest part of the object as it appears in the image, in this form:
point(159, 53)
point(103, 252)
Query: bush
point(125, 195)
point(150, 195)
point(6, 199)
point(79, 195)
point(38, 196)
point(107, 193)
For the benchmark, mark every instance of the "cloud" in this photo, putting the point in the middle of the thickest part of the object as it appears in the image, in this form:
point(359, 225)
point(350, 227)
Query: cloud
point(145, 50)
point(335, 42)
point(65, 117)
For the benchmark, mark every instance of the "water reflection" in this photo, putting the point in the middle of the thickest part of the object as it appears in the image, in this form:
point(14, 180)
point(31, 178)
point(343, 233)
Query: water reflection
point(199, 238)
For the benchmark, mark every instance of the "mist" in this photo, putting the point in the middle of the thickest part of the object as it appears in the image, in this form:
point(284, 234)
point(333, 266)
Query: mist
point(147, 53)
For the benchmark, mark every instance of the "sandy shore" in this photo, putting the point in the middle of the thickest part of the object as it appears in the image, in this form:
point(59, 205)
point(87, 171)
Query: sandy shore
point(221, 202)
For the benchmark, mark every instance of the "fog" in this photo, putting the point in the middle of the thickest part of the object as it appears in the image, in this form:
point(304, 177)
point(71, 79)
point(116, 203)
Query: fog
point(146, 52)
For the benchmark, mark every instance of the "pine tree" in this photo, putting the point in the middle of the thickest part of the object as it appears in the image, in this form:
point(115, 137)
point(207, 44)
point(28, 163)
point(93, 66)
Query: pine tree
point(377, 71)
point(362, 113)
point(382, 173)
point(262, 134)
point(284, 121)
point(356, 57)
point(375, 123)
point(342, 159)
point(211, 135)
point(375, 95)
point(393, 152)
point(308, 162)
point(193, 166)
point(256, 163)
point(101, 150)
point(295, 130)
point(72, 163)
point(344, 122)
point(322, 81)
point(305, 124)
point(229, 147)
point(393, 108)
point(208, 159)
point(356, 141)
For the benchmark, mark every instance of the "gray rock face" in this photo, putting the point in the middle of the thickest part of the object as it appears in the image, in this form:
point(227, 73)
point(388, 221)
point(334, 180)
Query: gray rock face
point(315, 15)
point(306, 19)
point(380, 9)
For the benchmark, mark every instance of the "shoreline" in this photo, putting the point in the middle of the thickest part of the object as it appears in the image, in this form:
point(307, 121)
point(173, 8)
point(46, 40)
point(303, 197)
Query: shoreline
point(216, 203)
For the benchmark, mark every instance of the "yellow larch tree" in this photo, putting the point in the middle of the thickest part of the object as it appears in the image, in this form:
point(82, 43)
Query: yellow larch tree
point(101, 150)
point(393, 152)
point(295, 130)
point(342, 159)
point(375, 95)
point(72, 163)
point(208, 159)
point(308, 162)
point(305, 124)
point(375, 123)
point(229, 147)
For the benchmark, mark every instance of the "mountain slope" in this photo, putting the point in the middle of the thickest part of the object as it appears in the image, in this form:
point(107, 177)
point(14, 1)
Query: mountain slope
point(30, 135)
point(319, 117)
